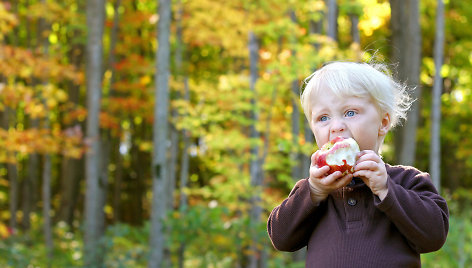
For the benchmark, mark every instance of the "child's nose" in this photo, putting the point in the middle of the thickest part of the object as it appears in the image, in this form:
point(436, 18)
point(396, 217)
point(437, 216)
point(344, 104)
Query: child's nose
point(337, 126)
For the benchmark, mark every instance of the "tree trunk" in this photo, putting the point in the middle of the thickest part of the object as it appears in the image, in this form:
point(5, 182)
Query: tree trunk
point(184, 164)
point(316, 27)
point(94, 216)
point(173, 153)
point(117, 183)
point(184, 169)
point(435, 150)
point(179, 51)
point(256, 159)
point(29, 184)
point(46, 192)
point(332, 30)
point(12, 174)
point(72, 170)
point(47, 163)
point(406, 39)
point(137, 175)
point(28, 190)
point(356, 37)
point(295, 155)
point(114, 149)
point(159, 161)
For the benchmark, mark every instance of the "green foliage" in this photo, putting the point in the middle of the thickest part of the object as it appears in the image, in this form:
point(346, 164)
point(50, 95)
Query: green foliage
point(457, 251)
point(211, 237)
point(23, 249)
point(126, 246)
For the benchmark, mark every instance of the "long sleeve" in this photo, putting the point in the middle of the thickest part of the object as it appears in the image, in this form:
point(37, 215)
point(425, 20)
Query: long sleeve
point(290, 224)
point(416, 209)
point(354, 228)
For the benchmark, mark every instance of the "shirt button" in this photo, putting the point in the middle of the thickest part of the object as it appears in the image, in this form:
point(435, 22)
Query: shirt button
point(351, 202)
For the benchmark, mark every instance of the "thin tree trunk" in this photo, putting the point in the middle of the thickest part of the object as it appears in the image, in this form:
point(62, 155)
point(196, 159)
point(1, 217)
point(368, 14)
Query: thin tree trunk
point(107, 138)
point(46, 190)
point(28, 191)
point(94, 216)
point(332, 30)
point(173, 152)
point(137, 185)
point(47, 170)
point(72, 170)
point(30, 183)
point(316, 27)
point(406, 39)
point(159, 161)
point(115, 142)
point(118, 180)
point(255, 164)
point(263, 253)
point(103, 178)
point(12, 174)
point(70, 179)
point(174, 133)
point(184, 169)
point(46, 195)
point(295, 155)
point(356, 37)
point(184, 165)
point(435, 151)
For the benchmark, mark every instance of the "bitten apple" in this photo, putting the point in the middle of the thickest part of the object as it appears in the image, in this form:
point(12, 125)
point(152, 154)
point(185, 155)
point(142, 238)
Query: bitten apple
point(339, 154)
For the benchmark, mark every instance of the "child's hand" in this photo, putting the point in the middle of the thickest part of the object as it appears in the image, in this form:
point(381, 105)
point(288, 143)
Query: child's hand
point(322, 184)
point(371, 169)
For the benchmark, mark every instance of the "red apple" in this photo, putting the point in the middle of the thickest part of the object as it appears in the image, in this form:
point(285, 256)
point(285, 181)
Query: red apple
point(339, 154)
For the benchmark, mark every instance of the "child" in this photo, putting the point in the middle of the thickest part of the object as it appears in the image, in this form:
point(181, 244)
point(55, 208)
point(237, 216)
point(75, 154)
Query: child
point(380, 216)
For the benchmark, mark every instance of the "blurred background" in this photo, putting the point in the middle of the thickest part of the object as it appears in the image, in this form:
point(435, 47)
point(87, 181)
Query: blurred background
point(153, 133)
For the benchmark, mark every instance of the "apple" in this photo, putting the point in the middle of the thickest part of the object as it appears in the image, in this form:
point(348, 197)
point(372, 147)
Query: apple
point(339, 154)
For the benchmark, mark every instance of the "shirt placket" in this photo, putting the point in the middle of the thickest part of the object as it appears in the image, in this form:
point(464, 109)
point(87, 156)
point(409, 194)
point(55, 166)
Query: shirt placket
point(352, 202)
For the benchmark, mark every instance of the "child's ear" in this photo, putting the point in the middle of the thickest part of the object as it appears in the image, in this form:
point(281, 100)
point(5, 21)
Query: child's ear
point(384, 125)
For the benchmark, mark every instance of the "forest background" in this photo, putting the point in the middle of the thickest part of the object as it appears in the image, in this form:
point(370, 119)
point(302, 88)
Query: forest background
point(107, 104)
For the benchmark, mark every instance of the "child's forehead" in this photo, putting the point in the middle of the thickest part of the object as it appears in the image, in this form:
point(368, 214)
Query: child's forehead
point(339, 93)
point(329, 98)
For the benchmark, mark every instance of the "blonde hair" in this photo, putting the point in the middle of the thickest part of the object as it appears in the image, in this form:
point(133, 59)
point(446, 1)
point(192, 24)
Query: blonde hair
point(359, 80)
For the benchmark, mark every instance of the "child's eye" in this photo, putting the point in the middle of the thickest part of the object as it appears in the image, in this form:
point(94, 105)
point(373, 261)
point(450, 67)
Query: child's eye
point(323, 118)
point(350, 113)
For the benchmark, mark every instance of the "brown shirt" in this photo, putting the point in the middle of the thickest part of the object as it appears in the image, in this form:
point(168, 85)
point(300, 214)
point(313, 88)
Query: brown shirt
point(353, 228)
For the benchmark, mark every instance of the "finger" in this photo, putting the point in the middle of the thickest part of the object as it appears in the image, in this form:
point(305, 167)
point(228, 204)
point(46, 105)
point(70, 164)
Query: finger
point(365, 179)
point(363, 174)
point(368, 155)
point(344, 181)
point(316, 172)
point(331, 178)
point(366, 165)
point(361, 153)
point(313, 159)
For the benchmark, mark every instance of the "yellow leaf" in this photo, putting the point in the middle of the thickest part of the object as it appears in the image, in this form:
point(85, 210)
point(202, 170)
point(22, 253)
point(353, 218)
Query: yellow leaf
point(61, 96)
point(145, 80)
point(51, 103)
point(145, 146)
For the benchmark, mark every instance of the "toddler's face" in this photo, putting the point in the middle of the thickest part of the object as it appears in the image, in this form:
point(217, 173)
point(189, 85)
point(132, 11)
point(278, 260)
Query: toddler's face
point(353, 117)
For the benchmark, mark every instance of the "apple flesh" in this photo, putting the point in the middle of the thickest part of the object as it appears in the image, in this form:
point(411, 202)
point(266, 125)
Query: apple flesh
point(339, 154)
